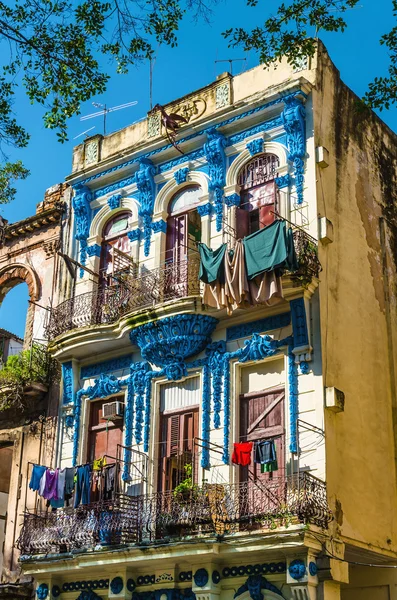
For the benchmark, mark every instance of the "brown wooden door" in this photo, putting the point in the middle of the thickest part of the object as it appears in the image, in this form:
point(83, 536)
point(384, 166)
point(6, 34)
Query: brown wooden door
point(262, 418)
point(178, 432)
point(103, 435)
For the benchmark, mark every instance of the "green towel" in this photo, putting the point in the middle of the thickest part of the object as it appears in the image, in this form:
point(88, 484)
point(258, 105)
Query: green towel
point(269, 249)
point(212, 267)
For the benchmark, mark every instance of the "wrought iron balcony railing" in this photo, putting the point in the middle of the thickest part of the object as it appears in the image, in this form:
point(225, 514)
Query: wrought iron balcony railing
point(209, 510)
point(108, 303)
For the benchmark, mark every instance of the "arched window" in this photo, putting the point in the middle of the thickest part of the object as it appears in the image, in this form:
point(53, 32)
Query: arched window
point(114, 236)
point(183, 224)
point(258, 194)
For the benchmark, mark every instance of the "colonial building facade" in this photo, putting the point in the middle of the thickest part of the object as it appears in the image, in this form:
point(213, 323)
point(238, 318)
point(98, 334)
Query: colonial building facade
point(226, 329)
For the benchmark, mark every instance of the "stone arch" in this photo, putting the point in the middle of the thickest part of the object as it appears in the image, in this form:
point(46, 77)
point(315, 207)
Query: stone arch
point(12, 275)
point(245, 156)
point(102, 217)
point(169, 189)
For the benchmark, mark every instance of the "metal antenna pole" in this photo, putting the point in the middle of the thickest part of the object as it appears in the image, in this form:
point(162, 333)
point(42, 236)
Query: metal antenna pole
point(104, 120)
point(231, 61)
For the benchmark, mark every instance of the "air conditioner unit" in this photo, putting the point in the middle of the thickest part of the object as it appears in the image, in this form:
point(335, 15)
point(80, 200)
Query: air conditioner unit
point(113, 410)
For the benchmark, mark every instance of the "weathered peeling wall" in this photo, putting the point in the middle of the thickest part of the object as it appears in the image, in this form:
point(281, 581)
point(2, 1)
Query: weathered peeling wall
point(357, 193)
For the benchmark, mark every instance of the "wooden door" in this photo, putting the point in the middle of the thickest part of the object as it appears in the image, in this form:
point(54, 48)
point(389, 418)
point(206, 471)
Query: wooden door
point(262, 418)
point(103, 435)
point(178, 432)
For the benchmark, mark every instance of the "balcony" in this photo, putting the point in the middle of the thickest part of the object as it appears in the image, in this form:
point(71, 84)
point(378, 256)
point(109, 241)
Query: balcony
point(173, 281)
point(207, 511)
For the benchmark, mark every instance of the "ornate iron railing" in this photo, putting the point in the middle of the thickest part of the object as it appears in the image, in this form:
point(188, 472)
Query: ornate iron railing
point(215, 509)
point(107, 304)
point(307, 254)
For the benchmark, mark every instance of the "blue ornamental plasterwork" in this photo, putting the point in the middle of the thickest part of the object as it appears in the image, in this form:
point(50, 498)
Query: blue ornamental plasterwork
point(258, 569)
point(255, 146)
point(293, 117)
point(116, 585)
point(103, 387)
point(131, 585)
point(67, 378)
point(215, 352)
point(233, 200)
point(267, 324)
point(299, 323)
point(90, 584)
point(313, 568)
point(283, 181)
point(180, 176)
point(205, 210)
point(94, 250)
point(167, 342)
point(55, 591)
point(216, 577)
point(255, 585)
point(201, 577)
point(297, 569)
point(107, 366)
point(42, 591)
point(216, 158)
point(82, 215)
point(169, 593)
point(293, 400)
point(159, 227)
point(114, 201)
point(134, 235)
point(147, 191)
point(88, 595)
point(260, 346)
point(206, 417)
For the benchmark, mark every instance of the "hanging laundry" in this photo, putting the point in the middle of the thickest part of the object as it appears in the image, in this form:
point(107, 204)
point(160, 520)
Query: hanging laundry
point(110, 479)
point(211, 265)
point(83, 485)
point(242, 453)
point(37, 473)
point(51, 484)
point(269, 249)
point(69, 484)
point(99, 463)
point(265, 455)
point(43, 482)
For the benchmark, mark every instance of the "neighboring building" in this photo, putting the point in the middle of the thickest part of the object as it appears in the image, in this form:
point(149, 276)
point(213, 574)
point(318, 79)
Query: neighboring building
point(28, 402)
point(163, 384)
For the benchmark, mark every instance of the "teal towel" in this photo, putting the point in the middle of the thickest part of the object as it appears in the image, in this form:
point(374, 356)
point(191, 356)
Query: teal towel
point(212, 266)
point(269, 249)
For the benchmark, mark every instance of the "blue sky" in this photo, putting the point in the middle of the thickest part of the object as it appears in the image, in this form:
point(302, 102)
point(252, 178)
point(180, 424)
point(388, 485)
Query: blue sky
point(356, 53)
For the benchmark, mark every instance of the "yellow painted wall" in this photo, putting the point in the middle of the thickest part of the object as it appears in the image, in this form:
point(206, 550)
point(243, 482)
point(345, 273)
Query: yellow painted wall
point(354, 192)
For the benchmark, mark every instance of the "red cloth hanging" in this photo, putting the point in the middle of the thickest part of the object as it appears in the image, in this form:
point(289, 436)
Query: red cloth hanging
point(242, 453)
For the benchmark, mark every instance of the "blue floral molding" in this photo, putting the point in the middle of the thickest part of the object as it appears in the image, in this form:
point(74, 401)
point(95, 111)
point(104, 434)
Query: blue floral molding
point(233, 200)
point(114, 201)
point(67, 378)
point(103, 387)
point(134, 235)
point(94, 250)
point(42, 591)
point(293, 118)
point(313, 568)
point(255, 146)
point(82, 215)
point(254, 585)
point(283, 181)
point(293, 401)
point(297, 569)
point(159, 226)
point(116, 585)
point(216, 158)
point(267, 324)
point(146, 188)
point(205, 210)
point(201, 577)
point(299, 323)
point(180, 176)
point(167, 342)
point(107, 366)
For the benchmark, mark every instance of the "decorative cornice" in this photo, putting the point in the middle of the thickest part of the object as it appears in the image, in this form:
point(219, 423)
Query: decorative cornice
point(47, 218)
point(114, 201)
point(205, 210)
point(94, 250)
point(159, 226)
point(134, 235)
point(232, 200)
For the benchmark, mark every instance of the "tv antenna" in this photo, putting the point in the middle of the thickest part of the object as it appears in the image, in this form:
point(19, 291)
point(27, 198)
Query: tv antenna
point(105, 111)
point(84, 132)
point(231, 61)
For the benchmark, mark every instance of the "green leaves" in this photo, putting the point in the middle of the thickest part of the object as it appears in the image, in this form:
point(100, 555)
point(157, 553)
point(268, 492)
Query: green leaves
point(9, 173)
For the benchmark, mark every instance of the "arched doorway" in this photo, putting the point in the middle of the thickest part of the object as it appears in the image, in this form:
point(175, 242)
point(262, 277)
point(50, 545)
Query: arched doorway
point(183, 235)
point(258, 193)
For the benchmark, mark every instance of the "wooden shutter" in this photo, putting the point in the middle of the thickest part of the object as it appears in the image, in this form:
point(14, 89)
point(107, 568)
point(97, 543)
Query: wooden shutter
point(242, 223)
